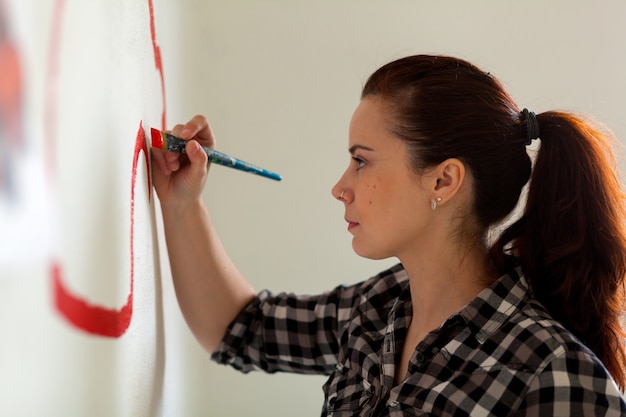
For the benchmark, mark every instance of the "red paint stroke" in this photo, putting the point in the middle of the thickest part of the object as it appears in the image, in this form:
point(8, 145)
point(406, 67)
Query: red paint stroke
point(78, 311)
point(158, 63)
point(89, 317)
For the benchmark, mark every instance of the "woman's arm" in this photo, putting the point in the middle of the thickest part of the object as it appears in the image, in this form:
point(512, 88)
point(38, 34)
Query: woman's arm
point(210, 289)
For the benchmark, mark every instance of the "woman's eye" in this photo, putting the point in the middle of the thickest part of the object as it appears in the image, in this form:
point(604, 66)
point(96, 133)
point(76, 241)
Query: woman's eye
point(359, 162)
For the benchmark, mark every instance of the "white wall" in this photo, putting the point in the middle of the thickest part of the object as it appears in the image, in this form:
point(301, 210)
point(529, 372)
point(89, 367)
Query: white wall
point(78, 237)
point(279, 80)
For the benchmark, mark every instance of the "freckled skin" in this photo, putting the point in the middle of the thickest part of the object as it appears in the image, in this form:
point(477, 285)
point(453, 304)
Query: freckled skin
point(381, 193)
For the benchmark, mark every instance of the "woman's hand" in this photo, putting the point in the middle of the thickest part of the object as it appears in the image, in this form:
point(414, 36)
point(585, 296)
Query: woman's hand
point(180, 178)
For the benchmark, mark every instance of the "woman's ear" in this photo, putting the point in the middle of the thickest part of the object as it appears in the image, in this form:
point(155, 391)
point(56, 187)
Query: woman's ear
point(449, 176)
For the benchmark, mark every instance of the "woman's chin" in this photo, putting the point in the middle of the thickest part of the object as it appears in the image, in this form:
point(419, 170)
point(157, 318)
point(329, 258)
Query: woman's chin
point(368, 252)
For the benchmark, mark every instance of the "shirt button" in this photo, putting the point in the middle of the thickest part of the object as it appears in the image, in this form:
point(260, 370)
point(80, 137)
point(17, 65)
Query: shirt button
point(420, 359)
point(393, 404)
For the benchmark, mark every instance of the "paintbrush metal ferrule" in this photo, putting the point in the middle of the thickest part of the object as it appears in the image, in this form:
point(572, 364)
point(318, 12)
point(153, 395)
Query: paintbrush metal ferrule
point(169, 142)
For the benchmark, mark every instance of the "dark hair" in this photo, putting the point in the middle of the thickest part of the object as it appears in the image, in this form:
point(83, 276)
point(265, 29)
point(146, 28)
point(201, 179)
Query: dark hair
point(570, 240)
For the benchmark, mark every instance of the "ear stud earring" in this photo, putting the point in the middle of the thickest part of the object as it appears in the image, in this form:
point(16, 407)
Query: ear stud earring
point(434, 202)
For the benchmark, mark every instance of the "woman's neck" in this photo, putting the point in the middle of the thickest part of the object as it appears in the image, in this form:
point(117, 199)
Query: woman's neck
point(443, 283)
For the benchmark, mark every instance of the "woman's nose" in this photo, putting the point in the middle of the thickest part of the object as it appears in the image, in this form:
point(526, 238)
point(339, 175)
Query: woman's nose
point(338, 191)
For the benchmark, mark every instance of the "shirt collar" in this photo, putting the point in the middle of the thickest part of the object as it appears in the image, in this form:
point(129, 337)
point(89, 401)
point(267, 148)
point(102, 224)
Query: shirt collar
point(485, 314)
point(496, 304)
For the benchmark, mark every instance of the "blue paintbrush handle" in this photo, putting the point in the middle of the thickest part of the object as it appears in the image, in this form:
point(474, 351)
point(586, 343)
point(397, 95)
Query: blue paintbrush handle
point(175, 144)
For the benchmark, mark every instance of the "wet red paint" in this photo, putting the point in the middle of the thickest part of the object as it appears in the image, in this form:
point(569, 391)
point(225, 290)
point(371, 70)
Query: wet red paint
point(78, 311)
point(157, 138)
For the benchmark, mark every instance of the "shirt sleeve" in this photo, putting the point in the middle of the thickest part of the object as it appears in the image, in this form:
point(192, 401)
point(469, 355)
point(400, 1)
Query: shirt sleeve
point(573, 384)
point(288, 333)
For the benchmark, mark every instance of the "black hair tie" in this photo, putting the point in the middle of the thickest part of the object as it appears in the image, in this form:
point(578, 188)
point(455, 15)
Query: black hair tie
point(532, 126)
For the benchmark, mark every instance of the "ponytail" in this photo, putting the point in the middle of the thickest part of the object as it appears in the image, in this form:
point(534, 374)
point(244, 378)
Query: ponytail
point(571, 238)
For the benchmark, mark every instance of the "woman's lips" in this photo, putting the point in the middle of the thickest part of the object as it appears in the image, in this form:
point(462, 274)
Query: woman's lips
point(351, 224)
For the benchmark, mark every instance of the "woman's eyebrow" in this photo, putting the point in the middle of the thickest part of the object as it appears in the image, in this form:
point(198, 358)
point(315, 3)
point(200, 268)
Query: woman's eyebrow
point(354, 148)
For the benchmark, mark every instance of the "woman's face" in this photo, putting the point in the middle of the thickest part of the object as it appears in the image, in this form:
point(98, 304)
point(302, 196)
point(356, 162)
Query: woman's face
point(387, 205)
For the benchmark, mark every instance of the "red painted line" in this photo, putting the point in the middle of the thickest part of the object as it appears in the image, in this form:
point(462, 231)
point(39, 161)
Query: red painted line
point(89, 317)
point(79, 312)
point(158, 63)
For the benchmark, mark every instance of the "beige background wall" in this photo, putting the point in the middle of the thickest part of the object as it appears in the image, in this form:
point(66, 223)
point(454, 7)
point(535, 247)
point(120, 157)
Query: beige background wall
point(279, 80)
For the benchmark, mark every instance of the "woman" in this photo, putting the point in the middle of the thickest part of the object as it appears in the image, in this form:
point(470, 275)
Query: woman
point(524, 324)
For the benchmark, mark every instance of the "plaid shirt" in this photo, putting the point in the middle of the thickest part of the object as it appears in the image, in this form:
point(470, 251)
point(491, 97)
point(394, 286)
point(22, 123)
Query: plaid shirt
point(501, 355)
